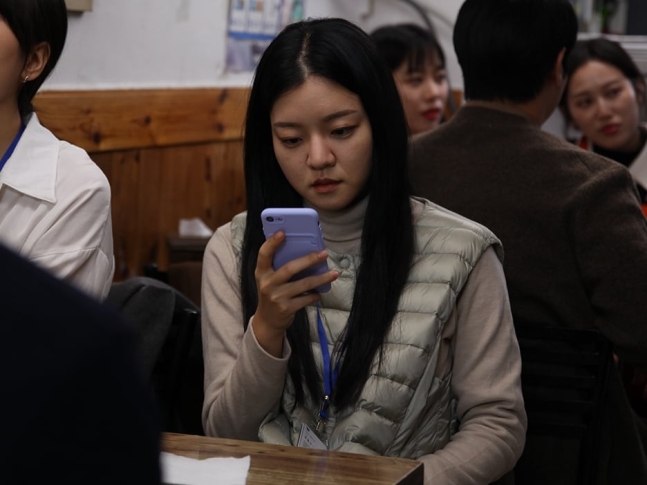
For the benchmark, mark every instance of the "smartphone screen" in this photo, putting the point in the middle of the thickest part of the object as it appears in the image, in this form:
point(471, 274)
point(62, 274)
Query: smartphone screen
point(302, 236)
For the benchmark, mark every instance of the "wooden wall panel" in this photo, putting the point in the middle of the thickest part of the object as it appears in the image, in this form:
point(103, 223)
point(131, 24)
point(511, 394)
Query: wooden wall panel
point(122, 119)
point(153, 188)
point(167, 153)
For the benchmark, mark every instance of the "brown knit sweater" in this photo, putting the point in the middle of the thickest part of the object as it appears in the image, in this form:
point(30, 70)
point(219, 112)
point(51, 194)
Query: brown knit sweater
point(574, 239)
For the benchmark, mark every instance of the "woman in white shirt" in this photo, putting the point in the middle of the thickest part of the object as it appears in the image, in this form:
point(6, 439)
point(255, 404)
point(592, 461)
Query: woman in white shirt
point(54, 201)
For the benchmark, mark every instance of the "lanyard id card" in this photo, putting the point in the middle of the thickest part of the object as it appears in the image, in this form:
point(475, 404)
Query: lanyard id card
point(309, 439)
point(329, 376)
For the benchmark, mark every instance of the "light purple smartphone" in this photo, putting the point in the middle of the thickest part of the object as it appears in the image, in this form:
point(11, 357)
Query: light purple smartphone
point(302, 236)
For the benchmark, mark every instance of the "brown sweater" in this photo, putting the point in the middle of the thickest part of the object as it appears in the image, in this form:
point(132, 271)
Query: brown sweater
point(574, 239)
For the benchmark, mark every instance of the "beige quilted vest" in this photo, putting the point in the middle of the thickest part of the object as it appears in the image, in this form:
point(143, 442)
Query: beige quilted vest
point(404, 409)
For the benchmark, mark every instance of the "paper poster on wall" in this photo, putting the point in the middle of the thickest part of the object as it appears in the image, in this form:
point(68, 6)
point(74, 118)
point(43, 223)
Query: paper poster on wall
point(252, 26)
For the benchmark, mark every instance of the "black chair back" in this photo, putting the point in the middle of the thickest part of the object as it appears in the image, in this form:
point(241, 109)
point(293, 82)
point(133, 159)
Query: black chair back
point(169, 329)
point(564, 380)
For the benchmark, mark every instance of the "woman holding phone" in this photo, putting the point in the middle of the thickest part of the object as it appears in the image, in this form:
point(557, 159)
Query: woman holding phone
point(412, 352)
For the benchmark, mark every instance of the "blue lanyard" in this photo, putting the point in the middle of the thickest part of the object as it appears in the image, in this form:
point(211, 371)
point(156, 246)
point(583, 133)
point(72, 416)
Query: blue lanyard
point(329, 374)
point(12, 147)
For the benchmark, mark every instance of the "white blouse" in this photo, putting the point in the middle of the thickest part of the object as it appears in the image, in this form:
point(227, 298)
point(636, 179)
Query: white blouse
point(55, 210)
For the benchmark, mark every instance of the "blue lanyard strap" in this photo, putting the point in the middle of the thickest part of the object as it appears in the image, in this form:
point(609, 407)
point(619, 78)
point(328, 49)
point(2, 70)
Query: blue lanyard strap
point(329, 374)
point(12, 147)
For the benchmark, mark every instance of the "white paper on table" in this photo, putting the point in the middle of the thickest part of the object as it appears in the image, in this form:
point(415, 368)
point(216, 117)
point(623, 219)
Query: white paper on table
point(194, 228)
point(181, 470)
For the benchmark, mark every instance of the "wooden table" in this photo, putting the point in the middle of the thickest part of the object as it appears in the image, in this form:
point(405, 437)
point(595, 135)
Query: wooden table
point(274, 464)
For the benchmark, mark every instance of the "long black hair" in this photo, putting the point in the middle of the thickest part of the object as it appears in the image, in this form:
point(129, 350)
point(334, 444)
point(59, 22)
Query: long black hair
point(339, 51)
point(33, 22)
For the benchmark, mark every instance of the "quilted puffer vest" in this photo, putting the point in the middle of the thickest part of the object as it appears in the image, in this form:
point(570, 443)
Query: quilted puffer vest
point(404, 409)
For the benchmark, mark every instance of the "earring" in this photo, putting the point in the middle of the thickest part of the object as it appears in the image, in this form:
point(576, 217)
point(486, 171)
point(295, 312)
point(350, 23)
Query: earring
point(26, 79)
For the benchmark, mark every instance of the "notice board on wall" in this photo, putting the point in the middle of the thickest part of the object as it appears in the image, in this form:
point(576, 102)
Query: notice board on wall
point(252, 26)
point(78, 5)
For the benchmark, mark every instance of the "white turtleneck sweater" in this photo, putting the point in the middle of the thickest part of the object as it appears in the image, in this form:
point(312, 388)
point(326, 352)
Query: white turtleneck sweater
point(243, 383)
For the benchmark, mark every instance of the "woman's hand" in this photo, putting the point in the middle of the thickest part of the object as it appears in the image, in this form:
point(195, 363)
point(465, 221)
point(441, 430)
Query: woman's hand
point(279, 298)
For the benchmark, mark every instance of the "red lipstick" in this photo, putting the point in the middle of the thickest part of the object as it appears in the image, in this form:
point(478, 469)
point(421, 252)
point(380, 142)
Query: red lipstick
point(432, 114)
point(610, 129)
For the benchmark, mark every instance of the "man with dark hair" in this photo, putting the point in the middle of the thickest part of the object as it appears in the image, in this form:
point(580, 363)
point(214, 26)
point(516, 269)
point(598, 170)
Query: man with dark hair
point(574, 236)
point(76, 406)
